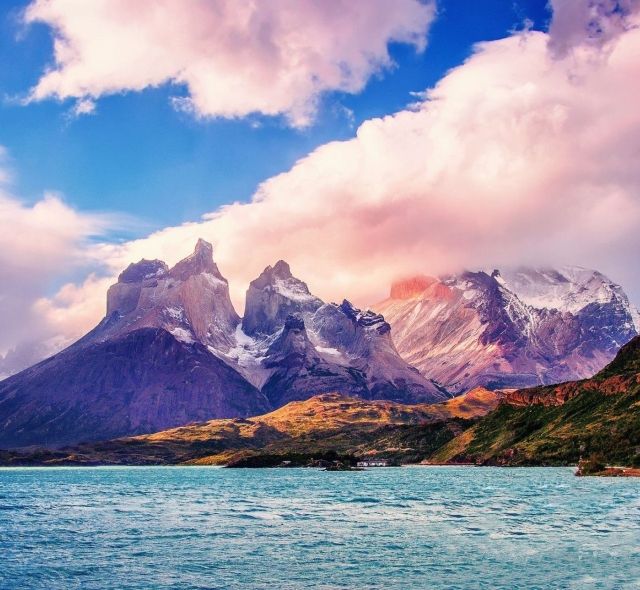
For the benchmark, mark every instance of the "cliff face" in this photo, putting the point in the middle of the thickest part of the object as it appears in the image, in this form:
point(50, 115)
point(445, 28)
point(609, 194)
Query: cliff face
point(509, 330)
point(272, 297)
point(298, 371)
point(190, 300)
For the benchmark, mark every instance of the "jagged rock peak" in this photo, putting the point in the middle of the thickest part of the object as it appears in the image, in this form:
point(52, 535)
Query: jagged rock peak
point(137, 272)
point(367, 319)
point(281, 269)
point(272, 297)
point(271, 275)
point(203, 246)
point(291, 342)
point(123, 296)
point(201, 261)
point(411, 286)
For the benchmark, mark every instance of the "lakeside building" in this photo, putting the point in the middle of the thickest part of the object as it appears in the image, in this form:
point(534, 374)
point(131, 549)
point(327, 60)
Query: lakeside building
point(373, 463)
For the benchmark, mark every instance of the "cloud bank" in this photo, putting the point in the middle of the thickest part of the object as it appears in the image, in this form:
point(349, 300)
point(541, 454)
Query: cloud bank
point(273, 58)
point(517, 156)
point(524, 154)
point(578, 23)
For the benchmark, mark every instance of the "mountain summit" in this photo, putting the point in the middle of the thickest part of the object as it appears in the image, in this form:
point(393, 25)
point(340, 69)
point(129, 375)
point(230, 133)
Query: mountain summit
point(190, 300)
point(272, 297)
point(146, 364)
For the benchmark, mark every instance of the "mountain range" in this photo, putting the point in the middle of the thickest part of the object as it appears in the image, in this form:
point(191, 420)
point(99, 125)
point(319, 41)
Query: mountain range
point(597, 419)
point(172, 350)
point(509, 329)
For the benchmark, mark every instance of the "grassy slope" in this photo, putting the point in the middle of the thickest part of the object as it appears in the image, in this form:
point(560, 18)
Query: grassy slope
point(324, 423)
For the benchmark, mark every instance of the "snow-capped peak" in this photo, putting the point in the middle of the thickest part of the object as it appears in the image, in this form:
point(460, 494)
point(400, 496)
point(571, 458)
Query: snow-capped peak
point(568, 289)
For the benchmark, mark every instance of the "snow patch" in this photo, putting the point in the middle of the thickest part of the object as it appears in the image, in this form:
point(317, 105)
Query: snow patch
point(293, 289)
point(327, 350)
point(569, 289)
point(246, 356)
point(175, 313)
point(214, 281)
point(182, 335)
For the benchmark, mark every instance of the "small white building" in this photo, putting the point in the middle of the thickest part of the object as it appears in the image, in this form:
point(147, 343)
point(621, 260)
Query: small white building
point(373, 463)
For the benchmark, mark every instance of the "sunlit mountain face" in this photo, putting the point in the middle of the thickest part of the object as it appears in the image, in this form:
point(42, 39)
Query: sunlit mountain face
point(515, 328)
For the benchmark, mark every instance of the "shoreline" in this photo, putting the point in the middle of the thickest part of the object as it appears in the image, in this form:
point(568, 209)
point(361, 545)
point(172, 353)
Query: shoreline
point(612, 472)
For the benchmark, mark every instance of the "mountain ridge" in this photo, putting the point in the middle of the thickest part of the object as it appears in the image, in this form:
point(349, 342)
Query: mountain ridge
point(597, 419)
point(324, 423)
point(509, 329)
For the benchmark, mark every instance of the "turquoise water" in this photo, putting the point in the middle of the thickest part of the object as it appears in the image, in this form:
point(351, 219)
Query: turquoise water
point(405, 528)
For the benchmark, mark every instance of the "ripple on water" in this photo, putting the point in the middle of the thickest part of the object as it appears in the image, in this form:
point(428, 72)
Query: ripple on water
point(166, 528)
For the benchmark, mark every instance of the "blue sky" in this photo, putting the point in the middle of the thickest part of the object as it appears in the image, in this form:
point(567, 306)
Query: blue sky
point(139, 156)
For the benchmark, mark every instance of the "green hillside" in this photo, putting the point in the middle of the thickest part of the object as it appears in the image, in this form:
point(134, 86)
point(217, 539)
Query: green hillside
point(601, 417)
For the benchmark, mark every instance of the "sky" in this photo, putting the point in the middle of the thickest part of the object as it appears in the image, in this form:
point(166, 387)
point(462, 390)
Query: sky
point(360, 141)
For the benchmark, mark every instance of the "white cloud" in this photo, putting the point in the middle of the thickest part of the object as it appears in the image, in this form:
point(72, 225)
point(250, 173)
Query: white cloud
point(234, 58)
point(83, 106)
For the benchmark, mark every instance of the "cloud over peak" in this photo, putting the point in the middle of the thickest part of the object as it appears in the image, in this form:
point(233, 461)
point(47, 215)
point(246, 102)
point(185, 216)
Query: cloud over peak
point(234, 59)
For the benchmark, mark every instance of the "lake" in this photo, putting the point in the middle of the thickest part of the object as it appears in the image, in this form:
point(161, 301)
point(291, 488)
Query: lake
point(406, 528)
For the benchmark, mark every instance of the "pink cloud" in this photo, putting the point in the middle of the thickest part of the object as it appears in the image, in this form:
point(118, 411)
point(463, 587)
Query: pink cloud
point(39, 243)
point(274, 57)
point(579, 23)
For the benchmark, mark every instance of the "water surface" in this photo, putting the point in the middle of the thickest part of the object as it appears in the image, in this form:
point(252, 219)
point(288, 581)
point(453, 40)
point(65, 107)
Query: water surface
point(408, 528)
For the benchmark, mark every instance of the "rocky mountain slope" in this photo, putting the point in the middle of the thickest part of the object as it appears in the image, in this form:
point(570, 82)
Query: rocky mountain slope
point(509, 330)
point(329, 423)
point(172, 350)
point(305, 346)
point(137, 382)
point(556, 425)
